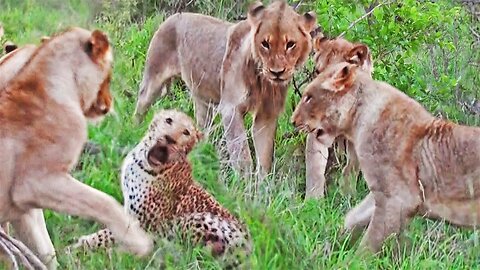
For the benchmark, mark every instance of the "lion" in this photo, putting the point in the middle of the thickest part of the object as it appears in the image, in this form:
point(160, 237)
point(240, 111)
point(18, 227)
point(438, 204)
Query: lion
point(43, 118)
point(414, 163)
point(329, 52)
point(17, 57)
point(235, 68)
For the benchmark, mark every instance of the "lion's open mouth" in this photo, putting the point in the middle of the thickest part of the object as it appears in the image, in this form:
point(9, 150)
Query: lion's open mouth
point(278, 80)
point(320, 132)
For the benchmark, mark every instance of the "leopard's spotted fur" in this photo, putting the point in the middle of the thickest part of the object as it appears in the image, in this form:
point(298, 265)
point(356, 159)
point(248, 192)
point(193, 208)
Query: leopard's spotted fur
point(160, 192)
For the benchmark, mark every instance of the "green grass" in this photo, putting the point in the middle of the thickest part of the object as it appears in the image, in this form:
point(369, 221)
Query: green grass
point(288, 232)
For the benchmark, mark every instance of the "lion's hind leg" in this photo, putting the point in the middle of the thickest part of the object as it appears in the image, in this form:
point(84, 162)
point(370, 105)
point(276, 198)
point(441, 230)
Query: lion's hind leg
point(162, 64)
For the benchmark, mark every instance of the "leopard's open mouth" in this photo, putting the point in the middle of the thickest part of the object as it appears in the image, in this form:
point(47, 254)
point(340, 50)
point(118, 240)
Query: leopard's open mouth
point(158, 155)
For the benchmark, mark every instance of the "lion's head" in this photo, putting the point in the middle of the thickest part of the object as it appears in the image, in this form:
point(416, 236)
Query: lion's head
point(333, 51)
point(281, 38)
point(328, 102)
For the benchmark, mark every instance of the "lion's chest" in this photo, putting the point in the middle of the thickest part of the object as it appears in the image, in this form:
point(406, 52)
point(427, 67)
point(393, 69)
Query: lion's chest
point(144, 196)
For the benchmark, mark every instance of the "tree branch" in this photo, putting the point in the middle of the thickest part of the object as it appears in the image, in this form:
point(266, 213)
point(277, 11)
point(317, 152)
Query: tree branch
point(362, 17)
point(14, 248)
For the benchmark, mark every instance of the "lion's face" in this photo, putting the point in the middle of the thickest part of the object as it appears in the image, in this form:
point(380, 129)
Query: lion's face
point(326, 103)
point(333, 51)
point(170, 131)
point(281, 39)
point(103, 103)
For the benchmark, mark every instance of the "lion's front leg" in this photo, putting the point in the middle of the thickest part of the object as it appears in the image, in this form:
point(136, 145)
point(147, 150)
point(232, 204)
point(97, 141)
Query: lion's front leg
point(264, 129)
point(63, 193)
point(316, 156)
point(237, 141)
point(390, 215)
point(32, 231)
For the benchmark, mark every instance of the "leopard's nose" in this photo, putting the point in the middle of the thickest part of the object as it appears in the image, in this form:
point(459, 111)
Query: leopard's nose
point(170, 140)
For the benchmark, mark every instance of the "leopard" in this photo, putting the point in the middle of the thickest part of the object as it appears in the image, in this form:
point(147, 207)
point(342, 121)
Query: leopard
point(415, 164)
point(160, 191)
point(231, 69)
point(327, 52)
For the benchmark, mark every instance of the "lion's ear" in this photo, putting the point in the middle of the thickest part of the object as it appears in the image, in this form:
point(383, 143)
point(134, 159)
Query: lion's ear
point(359, 55)
point(44, 39)
point(255, 12)
point(341, 78)
point(317, 32)
point(199, 135)
point(319, 42)
point(309, 21)
point(97, 46)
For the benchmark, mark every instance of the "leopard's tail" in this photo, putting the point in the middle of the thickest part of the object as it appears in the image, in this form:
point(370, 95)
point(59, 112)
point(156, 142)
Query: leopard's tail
point(100, 239)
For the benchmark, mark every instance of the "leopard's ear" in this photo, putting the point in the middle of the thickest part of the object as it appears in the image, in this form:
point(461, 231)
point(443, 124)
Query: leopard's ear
point(10, 47)
point(44, 39)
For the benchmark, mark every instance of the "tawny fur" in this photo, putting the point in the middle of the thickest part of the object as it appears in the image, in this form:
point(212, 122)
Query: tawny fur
point(13, 62)
point(43, 111)
point(329, 52)
point(237, 68)
point(159, 190)
point(414, 163)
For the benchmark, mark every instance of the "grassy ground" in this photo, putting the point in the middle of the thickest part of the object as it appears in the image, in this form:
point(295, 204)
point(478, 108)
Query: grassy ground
point(288, 232)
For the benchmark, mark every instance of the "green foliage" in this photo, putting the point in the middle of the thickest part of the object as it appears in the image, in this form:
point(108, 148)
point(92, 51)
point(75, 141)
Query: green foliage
point(408, 39)
point(424, 48)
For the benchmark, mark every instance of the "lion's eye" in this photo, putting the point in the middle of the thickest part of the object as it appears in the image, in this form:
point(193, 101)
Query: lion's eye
point(308, 99)
point(186, 132)
point(266, 45)
point(290, 45)
point(169, 120)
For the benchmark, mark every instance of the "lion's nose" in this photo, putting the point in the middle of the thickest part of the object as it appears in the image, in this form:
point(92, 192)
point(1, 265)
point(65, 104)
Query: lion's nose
point(295, 124)
point(277, 72)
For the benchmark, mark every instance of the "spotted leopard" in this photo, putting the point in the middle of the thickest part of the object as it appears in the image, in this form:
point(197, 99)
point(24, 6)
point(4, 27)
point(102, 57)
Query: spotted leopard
point(159, 190)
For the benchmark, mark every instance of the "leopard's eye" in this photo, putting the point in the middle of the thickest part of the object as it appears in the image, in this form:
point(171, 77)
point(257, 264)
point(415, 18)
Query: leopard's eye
point(265, 45)
point(290, 45)
point(186, 132)
point(169, 120)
